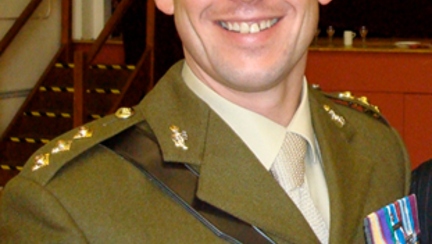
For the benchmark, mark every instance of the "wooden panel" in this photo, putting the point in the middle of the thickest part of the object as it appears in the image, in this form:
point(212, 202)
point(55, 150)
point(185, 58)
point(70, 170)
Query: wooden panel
point(110, 53)
point(391, 106)
point(418, 129)
point(371, 72)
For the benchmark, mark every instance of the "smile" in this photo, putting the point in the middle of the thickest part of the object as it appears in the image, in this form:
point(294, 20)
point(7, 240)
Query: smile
point(248, 28)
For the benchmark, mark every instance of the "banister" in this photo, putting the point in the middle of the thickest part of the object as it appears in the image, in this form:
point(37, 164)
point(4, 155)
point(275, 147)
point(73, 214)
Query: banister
point(66, 30)
point(19, 23)
point(33, 92)
point(82, 61)
point(78, 96)
point(150, 23)
point(109, 27)
point(136, 81)
point(144, 70)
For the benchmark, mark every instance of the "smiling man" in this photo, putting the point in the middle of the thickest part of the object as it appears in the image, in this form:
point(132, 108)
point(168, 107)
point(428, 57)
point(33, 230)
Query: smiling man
point(231, 146)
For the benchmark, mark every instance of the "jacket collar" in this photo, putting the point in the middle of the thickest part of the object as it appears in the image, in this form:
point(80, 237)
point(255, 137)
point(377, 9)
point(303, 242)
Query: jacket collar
point(231, 177)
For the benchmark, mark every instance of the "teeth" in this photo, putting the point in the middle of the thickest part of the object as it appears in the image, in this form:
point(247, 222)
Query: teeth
point(248, 28)
point(244, 28)
point(263, 25)
point(236, 27)
point(254, 28)
point(268, 23)
point(224, 25)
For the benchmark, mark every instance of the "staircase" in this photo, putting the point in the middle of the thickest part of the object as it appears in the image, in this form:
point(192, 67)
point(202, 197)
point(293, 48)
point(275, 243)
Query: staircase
point(49, 111)
point(75, 91)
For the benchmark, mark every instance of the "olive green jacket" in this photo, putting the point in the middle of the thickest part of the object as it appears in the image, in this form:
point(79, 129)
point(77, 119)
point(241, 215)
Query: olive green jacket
point(91, 195)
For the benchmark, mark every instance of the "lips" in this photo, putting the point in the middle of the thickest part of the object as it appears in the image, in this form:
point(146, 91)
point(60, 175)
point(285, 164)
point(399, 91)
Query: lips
point(248, 27)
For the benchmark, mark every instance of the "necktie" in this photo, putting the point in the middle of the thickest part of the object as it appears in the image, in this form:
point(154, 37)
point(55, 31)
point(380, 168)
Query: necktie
point(289, 169)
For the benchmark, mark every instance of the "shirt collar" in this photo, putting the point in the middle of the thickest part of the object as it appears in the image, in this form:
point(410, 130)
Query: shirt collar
point(263, 136)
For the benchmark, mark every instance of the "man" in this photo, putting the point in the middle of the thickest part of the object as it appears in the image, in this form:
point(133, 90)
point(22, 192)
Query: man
point(421, 186)
point(230, 113)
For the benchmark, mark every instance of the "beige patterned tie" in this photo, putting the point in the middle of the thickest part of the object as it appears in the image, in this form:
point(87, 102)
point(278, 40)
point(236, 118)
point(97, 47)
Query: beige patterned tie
point(289, 169)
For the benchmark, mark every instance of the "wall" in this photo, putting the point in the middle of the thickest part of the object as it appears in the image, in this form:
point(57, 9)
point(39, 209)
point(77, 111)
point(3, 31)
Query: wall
point(384, 18)
point(29, 54)
point(89, 18)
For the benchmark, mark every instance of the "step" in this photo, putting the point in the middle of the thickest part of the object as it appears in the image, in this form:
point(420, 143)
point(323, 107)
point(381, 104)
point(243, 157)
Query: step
point(111, 52)
point(62, 102)
point(12, 157)
point(6, 175)
point(96, 78)
point(16, 154)
point(28, 129)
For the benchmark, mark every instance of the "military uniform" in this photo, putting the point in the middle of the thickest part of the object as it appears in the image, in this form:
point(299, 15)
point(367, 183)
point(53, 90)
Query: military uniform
point(89, 194)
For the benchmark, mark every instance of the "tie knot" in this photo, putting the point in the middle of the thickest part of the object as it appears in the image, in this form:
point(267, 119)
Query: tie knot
point(294, 147)
point(289, 167)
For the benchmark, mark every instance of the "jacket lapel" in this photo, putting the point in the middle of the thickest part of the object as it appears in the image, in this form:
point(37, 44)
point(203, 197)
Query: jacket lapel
point(347, 187)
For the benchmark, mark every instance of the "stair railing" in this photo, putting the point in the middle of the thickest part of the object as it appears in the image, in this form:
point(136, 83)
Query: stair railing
point(142, 79)
point(19, 23)
point(143, 70)
point(83, 60)
point(62, 53)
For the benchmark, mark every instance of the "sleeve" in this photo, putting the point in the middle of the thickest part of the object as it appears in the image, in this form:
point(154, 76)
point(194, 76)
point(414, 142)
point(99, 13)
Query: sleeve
point(29, 213)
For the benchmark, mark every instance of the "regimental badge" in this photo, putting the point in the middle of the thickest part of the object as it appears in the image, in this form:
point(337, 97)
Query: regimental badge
point(62, 146)
point(179, 138)
point(338, 119)
point(83, 132)
point(41, 161)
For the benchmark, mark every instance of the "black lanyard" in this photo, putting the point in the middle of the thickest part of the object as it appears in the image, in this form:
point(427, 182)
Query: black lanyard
point(180, 182)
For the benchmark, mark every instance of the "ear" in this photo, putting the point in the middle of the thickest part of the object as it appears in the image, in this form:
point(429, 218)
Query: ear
point(166, 6)
point(324, 2)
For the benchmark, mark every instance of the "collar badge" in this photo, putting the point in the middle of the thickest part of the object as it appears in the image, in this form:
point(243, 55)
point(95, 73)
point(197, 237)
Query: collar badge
point(339, 120)
point(179, 138)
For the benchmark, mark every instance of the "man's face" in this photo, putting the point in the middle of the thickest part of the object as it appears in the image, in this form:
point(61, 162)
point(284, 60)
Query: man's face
point(244, 45)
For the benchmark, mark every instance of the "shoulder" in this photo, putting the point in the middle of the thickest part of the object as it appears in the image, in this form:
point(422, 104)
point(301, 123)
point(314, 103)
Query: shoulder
point(353, 108)
point(47, 161)
point(360, 104)
point(355, 116)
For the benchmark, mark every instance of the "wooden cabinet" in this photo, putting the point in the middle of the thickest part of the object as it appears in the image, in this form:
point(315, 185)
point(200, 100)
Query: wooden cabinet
point(399, 81)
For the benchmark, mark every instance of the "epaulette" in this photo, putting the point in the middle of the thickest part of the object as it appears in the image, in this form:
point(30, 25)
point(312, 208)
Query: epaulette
point(48, 160)
point(360, 103)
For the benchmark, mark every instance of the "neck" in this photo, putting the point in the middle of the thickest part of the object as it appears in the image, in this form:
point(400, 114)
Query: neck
point(277, 103)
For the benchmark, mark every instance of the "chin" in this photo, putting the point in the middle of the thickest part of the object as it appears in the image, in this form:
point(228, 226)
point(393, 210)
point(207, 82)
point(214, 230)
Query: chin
point(256, 81)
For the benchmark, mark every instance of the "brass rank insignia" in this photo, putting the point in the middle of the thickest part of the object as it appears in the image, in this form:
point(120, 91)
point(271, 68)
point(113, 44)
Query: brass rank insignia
point(41, 161)
point(62, 146)
point(83, 132)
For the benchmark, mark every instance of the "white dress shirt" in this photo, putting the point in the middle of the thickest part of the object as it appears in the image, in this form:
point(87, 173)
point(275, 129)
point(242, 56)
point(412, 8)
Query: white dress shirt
point(265, 137)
